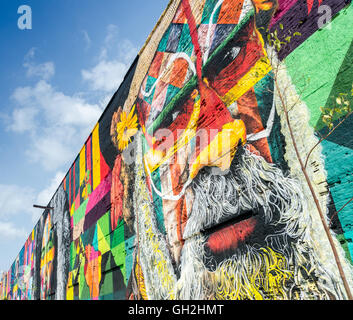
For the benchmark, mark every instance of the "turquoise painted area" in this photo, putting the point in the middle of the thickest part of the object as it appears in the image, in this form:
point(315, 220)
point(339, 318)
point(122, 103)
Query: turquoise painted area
point(207, 12)
point(320, 69)
point(171, 92)
point(339, 167)
point(264, 96)
point(150, 82)
point(349, 237)
point(129, 258)
point(163, 43)
point(157, 201)
point(95, 239)
point(185, 43)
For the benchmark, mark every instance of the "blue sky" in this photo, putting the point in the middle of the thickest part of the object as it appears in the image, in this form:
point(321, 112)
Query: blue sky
point(55, 81)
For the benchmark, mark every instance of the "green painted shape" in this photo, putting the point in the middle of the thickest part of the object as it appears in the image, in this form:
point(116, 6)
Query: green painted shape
point(106, 287)
point(163, 43)
point(117, 236)
point(80, 212)
point(119, 254)
point(72, 255)
point(149, 83)
point(104, 223)
point(84, 293)
point(185, 43)
point(314, 65)
point(343, 84)
point(264, 96)
point(129, 257)
point(109, 296)
point(95, 239)
point(157, 201)
point(346, 243)
point(207, 12)
point(171, 93)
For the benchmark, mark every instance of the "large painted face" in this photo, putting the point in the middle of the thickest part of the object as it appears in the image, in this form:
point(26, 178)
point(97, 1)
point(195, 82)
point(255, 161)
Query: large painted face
point(197, 105)
point(231, 216)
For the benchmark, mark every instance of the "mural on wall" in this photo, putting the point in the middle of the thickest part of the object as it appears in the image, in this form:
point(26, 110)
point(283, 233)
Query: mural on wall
point(191, 191)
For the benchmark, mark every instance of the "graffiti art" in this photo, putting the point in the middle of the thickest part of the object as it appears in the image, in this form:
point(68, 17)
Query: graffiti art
point(188, 187)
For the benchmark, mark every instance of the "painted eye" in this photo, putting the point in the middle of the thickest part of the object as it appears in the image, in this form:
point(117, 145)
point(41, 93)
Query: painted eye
point(175, 114)
point(233, 53)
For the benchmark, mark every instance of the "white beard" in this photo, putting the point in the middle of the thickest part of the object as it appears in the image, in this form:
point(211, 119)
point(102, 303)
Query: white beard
point(252, 183)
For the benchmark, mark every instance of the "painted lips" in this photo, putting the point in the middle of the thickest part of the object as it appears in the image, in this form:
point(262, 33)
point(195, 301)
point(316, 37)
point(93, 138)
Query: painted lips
point(229, 237)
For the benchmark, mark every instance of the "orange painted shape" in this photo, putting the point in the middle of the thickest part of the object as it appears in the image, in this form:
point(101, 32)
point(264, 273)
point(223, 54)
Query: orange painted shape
point(178, 74)
point(249, 113)
point(179, 16)
point(156, 65)
point(230, 12)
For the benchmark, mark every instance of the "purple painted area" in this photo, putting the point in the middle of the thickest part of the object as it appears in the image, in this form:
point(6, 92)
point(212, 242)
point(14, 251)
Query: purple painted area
point(97, 212)
point(295, 18)
point(98, 203)
point(96, 196)
point(283, 7)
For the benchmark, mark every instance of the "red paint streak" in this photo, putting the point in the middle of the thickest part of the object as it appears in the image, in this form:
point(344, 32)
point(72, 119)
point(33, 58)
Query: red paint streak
point(116, 194)
point(70, 200)
point(74, 184)
point(229, 237)
point(194, 37)
point(89, 158)
point(105, 170)
point(311, 3)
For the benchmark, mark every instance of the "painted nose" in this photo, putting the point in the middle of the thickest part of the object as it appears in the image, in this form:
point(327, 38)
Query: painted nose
point(224, 134)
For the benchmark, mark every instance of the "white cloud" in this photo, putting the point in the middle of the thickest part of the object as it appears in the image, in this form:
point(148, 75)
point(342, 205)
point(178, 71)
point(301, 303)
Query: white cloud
point(112, 34)
point(115, 58)
point(46, 194)
point(43, 70)
point(106, 75)
point(23, 119)
point(58, 124)
point(87, 39)
point(43, 197)
point(8, 231)
point(57, 107)
point(15, 200)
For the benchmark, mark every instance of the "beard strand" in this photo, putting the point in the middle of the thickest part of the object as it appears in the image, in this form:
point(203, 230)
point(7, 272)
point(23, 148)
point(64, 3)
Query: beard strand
point(283, 267)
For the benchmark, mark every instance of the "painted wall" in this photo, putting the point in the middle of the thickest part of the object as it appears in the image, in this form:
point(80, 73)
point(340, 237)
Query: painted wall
point(188, 186)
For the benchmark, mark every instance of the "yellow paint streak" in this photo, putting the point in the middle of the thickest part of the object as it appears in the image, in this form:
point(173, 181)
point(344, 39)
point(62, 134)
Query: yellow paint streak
point(96, 157)
point(255, 74)
point(49, 256)
point(82, 164)
point(140, 280)
point(187, 135)
point(103, 245)
point(70, 288)
point(159, 260)
point(266, 282)
point(221, 150)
